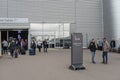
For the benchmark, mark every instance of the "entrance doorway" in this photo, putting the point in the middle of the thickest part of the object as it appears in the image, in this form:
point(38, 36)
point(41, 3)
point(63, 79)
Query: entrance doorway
point(17, 34)
point(3, 35)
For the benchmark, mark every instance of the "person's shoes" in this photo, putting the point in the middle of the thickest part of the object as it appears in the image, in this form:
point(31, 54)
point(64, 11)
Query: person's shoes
point(93, 62)
point(103, 62)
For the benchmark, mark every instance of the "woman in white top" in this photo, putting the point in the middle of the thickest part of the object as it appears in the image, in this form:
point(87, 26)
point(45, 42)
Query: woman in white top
point(39, 45)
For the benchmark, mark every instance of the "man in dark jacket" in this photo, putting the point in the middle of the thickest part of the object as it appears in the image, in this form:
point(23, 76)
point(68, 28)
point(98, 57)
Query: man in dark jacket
point(12, 48)
point(106, 47)
point(45, 45)
point(92, 47)
point(33, 46)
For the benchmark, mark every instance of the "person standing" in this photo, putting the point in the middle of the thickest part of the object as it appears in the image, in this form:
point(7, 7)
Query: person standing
point(12, 48)
point(112, 45)
point(39, 45)
point(26, 44)
point(5, 45)
point(92, 47)
point(45, 45)
point(98, 44)
point(22, 45)
point(106, 47)
point(33, 46)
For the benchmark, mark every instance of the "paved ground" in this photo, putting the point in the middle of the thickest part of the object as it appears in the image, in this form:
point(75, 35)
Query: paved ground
point(54, 66)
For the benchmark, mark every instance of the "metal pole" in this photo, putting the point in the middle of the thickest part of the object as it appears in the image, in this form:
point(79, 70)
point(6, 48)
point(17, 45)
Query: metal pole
point(42, 31)
point(59, 35)
point(54, 40)
point(7, 35)
point(87, 40)
point(29, 37)
point(63, 36)
point(0, 45)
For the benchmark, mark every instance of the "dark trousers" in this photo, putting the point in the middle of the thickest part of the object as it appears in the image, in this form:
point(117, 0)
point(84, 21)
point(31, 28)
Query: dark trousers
point(12, 52)
point(39, 47)
point(35, 51)
point(105, 57)
point(45, 49)
point(4, 50)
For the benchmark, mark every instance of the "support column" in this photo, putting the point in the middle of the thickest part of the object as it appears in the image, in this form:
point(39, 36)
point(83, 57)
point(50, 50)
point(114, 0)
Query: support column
point(54, 40)
point(59, 35)
point(0, 45)
point(7, 35)
point(111, 19)
point(63, 37)
point(29, 38)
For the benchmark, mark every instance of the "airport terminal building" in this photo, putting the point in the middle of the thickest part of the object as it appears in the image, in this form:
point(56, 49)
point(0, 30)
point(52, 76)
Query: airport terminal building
point(92, 18)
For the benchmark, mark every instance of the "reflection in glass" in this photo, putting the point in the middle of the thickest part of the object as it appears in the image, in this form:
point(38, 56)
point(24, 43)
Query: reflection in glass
point(55, 33)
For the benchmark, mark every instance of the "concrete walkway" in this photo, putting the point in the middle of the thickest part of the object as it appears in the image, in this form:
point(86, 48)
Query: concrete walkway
point(54, 66)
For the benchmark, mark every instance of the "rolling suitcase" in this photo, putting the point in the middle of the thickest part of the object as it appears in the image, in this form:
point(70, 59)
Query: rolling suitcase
point(31, 52)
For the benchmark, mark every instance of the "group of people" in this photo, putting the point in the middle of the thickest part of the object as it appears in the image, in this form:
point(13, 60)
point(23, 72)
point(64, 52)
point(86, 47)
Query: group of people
point(105, 49)
point(100, 44)
point(14, 47)
point(39, 44)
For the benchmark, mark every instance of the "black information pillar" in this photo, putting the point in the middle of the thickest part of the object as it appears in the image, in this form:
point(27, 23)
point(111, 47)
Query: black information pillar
point(77, 51)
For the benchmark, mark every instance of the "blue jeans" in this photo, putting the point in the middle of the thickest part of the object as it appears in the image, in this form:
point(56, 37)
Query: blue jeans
point(93, 56)
point(45, 49)
point(105, 57)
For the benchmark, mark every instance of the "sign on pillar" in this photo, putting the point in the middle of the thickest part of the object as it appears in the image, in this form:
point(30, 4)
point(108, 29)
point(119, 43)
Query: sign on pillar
point(77, 51)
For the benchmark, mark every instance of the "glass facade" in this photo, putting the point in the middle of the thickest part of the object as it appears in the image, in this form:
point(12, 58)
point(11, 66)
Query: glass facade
point(54, 33)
